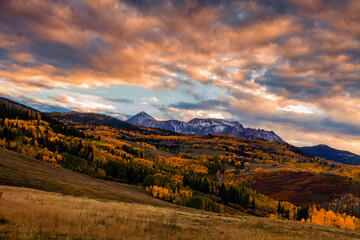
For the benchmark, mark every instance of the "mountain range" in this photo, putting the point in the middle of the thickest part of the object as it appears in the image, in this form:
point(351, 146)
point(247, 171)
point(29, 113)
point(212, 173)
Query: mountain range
point(204, 126)
point(332, 154)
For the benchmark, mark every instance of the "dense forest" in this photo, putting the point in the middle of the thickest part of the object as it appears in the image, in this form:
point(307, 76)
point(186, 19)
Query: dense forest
point(211, 172)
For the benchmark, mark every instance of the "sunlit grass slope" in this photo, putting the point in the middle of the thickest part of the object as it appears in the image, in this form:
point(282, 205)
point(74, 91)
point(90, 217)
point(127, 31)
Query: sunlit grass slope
point(33, 214)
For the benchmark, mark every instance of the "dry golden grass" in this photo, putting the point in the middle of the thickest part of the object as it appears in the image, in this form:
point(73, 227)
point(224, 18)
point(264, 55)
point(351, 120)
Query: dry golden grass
point(33, 214)
point(271, 167)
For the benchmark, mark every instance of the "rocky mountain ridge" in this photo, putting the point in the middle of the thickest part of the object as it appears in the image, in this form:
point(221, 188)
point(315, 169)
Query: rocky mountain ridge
point(202, 126)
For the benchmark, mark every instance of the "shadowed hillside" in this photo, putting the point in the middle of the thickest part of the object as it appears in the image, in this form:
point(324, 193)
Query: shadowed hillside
point(94, 119)
point(22, 171)
point(332, 154)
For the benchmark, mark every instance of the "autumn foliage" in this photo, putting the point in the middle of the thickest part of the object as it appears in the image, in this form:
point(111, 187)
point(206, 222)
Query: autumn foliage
point(189, 170)
point(329, 218)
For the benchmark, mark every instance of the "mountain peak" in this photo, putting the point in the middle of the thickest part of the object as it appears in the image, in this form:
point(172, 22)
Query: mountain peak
point(204, 126)
point(214, 121)
point(323, 145)
point(143, 113)
point(141, 119)
point(332, 154)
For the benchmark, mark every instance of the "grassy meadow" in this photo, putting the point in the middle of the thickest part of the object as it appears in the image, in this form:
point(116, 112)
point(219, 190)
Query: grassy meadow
point(33, 214)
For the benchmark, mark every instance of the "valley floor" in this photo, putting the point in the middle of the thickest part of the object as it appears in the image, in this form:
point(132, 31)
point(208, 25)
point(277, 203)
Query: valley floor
point(33, 214)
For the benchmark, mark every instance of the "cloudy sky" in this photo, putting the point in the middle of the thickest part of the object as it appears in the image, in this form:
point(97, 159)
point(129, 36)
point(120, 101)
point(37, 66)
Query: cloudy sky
point(290, 66)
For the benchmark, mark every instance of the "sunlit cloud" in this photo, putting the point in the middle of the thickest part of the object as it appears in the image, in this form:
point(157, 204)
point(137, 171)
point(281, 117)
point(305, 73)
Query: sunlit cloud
point(216, 115)
point(186, 115)
point(82, 103)
point(281, 62)
point(299, 109)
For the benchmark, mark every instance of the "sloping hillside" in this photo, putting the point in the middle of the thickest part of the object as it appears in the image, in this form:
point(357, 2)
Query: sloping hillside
point(332, 154)
point(304, 188)
point(94, 119)
point(22, 171)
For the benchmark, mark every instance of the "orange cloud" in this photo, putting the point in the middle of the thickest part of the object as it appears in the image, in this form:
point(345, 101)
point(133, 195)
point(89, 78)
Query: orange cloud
point(272, 59)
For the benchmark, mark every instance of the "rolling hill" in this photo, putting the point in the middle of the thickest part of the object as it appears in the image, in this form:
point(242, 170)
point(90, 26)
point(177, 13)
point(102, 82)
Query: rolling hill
point(23, 171)
point(95, 119)
point(332, 154)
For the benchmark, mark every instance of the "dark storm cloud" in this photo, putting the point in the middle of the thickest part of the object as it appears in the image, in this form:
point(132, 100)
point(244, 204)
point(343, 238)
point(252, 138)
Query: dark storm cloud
point(4, 53)
point(28, 23)
point(297, 87)
point(203, 105)
point(59, 54)
point(119, 100)
point(310, 124)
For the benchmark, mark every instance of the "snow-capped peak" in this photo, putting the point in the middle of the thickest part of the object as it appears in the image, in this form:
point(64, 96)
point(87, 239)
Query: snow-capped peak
point(203, 126)
point(141, 119)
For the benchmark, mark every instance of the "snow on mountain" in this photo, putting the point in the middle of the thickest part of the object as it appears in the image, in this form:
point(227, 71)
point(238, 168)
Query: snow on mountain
point(204, 126)
point(141, 119)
